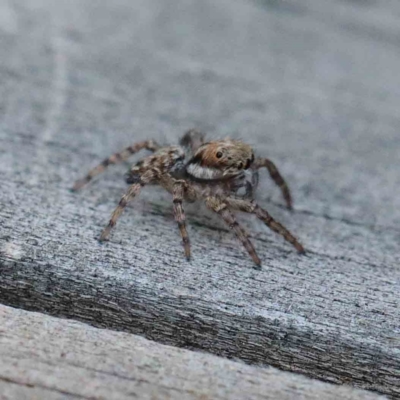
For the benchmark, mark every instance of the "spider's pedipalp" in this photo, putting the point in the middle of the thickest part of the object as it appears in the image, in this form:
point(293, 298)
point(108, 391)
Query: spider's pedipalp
point(276, 177)
point(221, 208)
point(178, 195)
point(253, 208)
point(115, 159)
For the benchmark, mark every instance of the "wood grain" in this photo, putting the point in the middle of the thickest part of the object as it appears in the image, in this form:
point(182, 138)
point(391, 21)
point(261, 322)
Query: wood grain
point(48, 358)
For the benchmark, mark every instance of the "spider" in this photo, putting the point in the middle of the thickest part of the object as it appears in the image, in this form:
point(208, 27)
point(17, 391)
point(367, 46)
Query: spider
point(222, 173)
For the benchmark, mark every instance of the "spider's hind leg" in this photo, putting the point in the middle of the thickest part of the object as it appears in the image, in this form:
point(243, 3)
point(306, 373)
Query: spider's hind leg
point(152, 169)
point(132, 192)
point(115, 159)
point(178, 192)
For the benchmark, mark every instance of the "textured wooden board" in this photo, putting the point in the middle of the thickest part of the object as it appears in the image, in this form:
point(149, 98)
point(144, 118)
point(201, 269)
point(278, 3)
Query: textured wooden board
point(315, 87)
point(48, 358)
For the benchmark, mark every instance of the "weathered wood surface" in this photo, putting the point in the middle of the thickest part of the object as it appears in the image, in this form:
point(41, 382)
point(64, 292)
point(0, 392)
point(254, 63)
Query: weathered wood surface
point(314, 85)
point(44, 357)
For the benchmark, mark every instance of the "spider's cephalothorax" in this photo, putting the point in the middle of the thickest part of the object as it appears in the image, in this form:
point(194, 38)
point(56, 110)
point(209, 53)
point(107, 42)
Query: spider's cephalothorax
point(222, 173)
point(219, 160)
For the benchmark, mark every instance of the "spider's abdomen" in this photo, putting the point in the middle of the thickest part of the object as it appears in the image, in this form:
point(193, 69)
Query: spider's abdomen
point(167, 159)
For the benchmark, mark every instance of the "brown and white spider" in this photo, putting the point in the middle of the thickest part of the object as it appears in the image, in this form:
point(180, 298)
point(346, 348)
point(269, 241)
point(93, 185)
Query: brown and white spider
point(222, 173)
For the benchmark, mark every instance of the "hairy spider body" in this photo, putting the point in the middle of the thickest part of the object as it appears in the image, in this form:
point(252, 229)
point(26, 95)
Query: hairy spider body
point(214, 172)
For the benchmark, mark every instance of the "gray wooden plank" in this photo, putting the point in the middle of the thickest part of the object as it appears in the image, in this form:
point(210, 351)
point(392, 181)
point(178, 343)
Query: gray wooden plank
point(317, 96)
point(11, 391)
point(45, 357)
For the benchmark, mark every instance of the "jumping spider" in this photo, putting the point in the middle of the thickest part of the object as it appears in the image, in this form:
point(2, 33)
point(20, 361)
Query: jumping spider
point(223, 173)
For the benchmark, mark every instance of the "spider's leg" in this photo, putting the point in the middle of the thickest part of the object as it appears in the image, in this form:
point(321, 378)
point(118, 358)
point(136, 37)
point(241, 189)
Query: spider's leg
point(132, 192)
point(253, 208)
point(167, 181)
point(115, 159)
point(178, 195)
point(222, 209)
point(276, 177)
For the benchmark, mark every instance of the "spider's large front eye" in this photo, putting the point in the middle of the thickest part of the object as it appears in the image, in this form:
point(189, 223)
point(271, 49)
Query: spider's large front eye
point(240, 165)
point(219, 154)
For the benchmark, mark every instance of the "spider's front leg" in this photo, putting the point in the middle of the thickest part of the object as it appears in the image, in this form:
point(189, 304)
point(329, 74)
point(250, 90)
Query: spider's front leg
point(115, 159)
point(221, 208)
point(133, 191)
point(276, 177)
point(253, 208)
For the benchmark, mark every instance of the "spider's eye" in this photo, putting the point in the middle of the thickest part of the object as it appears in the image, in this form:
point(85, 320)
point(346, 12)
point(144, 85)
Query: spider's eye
point(219, 154)
point(240, 165)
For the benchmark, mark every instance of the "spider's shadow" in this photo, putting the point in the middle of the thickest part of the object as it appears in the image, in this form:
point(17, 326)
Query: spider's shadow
point(196, 215)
